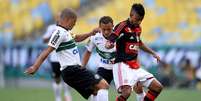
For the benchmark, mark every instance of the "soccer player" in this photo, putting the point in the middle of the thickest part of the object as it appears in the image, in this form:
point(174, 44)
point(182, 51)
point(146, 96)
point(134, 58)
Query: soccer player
point(107, 56)
point(82, 80)
point(56, 73)
point(127, 71)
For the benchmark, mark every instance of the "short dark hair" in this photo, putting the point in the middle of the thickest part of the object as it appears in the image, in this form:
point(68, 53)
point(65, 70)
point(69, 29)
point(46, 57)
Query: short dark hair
point(105, 20)
point(68, 13)
point(139, 9)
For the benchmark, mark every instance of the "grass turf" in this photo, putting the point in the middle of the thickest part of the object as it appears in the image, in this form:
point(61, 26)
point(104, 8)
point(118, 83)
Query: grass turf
point(43, 94)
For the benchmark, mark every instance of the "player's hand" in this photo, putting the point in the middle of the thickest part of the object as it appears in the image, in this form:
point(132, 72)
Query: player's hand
point(95, 30)
point(109, 45)
point(157, 57)
point(31, 70)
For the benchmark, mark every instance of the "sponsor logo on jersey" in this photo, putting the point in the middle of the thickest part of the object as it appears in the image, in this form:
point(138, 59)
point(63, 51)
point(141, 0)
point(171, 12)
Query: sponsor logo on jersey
point(75, 51)
point(131, 48)
point(55, 38)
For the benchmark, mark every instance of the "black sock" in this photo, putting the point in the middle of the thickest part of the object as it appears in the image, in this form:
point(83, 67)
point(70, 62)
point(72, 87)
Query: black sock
point(151, 95)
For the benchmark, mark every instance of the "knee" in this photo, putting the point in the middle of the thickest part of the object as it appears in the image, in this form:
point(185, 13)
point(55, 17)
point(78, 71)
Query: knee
point(138, 88)
point(160, 87)
point(102, 85)
point(156, 86)
point(126, 91)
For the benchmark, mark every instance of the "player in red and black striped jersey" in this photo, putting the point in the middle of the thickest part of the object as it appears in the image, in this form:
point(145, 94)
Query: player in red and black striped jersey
point(128, 43)
point(127, 71)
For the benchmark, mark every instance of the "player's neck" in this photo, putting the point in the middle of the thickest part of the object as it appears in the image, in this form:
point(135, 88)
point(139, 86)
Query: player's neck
point(106, 37)
point(60, 25)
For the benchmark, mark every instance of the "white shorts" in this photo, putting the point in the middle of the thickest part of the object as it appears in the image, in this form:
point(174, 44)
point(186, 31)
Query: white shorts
point(124, 75)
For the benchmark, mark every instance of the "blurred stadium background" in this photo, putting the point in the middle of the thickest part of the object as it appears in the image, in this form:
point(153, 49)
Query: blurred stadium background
point(171, 27)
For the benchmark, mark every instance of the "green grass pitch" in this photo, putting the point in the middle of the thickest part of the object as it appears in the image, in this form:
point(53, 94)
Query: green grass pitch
point(42, 94)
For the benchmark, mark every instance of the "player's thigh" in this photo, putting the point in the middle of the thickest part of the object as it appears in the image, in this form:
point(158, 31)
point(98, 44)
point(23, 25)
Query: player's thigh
point(123, 75)
point(82, 80)
point(145, 77)
point(105, 74)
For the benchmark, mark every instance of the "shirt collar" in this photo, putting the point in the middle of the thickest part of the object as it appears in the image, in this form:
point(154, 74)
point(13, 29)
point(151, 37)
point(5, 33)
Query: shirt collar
point(63, 27)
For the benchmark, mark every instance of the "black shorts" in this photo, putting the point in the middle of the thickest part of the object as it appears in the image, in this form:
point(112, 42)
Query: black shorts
point(81, 80)
point(56, 73)
point(105, 74)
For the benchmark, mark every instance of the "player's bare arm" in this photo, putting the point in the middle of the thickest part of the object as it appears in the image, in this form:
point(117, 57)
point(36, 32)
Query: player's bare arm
point(32, 69)
point(86, 57)
point(82, 37)
point(150, 51)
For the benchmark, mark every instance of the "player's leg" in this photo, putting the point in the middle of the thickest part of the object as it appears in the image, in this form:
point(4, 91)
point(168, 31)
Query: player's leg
point(154, 86)
point(101, 91)
point(124, 80)
point(125, 93)
point(140, 93)
point(57, 85)
point(67, 94)
point(108, 76)
point(84, 81)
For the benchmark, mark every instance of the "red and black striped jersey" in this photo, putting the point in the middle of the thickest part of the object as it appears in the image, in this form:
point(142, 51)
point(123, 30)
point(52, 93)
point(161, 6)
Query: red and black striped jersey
point(127, 38)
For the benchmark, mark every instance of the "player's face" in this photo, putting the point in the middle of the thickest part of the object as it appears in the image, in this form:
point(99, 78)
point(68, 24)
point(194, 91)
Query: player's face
point(135, 18)
point(70, 23)
point(106, 29)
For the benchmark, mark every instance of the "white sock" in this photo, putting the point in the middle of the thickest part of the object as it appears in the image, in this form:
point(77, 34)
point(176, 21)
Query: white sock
point(92, 98)
point(57, 91)
point(102, 95)
point(67, 94)
point(140, 97)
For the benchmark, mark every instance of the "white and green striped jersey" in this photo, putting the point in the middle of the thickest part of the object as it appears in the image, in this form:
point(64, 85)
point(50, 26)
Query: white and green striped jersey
point(65, 46)
point(106, 56)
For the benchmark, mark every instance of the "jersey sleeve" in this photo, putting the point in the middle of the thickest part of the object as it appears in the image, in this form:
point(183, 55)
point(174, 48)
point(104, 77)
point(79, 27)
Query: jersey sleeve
point(90, 45)
point(116, 31)
point(139, 31)
point(56, 39)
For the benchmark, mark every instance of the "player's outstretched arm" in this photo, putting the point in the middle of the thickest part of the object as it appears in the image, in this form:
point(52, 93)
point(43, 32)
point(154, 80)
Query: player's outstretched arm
point(82, 37)
point(150, 51)
point(32, 69)
point(86, 57)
